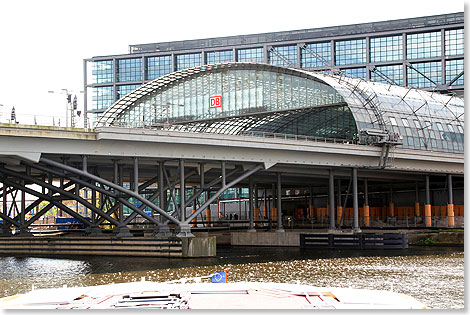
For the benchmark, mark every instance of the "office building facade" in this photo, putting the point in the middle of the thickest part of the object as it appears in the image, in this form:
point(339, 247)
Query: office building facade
point(425, 53)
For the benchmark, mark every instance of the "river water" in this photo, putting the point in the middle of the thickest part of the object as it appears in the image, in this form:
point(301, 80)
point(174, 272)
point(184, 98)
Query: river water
point(433, 275)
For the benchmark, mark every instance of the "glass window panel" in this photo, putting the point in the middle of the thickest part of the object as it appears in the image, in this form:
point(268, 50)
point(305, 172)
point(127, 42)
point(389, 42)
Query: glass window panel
point(129, 70)
point(102, 97)
point(122, 90)
point(382, 73)
point(285, 56)
point(454, 42)
point(219, 56)
point(350, 52)
point(453, 69)
point(250, 55)
point(188, 61)
point(432, 70)
point(315, 55)
point(102, 71)
point(358, 73)
point(423, 45)
point(158, 66)
point(386, 48)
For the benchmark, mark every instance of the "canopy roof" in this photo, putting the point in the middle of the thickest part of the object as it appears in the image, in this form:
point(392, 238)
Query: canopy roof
point(235, 98)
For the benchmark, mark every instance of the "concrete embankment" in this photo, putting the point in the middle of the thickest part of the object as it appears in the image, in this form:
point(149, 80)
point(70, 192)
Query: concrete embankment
point(292, 237)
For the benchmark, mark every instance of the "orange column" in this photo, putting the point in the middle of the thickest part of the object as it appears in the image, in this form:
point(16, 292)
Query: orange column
point(450, 215)
point(312, 211)
point(366, 216)
point(274, 215)
point(392, 209)
point(256, 215)
point(339, 212)
point(427, 215)
point(417, 209)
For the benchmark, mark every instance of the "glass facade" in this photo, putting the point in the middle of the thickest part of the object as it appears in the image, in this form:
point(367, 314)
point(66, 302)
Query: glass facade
point(125, 89)
point(188, 61)
point(284, 56)
point(219, 56)
point(386, 48)
point(454, 68)
point(250, 55)
point(102, 97)
point(130, 70)
point(158, 66)
point(393, 73)
point(349, 52)
point(432, 71)
point(436, 53)
point(241, 92)
point(315, 55)
point(423, 45)
point(103, 71)
point(454, 42)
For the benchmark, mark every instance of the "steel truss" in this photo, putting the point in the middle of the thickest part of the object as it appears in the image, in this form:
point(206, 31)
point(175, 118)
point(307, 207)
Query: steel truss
point(56, 183)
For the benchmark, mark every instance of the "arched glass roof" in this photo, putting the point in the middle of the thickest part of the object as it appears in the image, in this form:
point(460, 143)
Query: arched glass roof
point(235, 98)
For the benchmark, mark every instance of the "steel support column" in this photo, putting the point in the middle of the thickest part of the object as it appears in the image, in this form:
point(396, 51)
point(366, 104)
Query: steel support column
point(450, 203)
point(366, 204)
point(355, 203)
point(251, 227)
point(279, 227)
point(331, 195)
point(427, 206)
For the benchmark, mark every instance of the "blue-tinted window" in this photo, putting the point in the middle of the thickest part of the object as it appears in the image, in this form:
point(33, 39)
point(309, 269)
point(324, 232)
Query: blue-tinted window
point(158, 66)
point(188, 61)
point(350, 52)
point(219, 56)
point(102, 71)
point(315, 55)
point(431, 70)
point(386, 48)
point(382, 73)
point(454, 68)
point(423, 45)
point(359, 73)
point(454, 42)
point(102, 97)
point(250, 55)
point(125, 89)
point(285, 56)
point(130, 70)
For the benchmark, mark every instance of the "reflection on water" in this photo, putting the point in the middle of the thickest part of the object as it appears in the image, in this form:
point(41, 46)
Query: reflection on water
point(434, 276)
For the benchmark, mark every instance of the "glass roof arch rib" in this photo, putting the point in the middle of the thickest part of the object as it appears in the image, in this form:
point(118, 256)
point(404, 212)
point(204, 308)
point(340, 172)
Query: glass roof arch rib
point(237, 98)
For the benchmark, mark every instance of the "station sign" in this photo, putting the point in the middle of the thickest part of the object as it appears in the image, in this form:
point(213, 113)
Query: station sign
point(215, 101)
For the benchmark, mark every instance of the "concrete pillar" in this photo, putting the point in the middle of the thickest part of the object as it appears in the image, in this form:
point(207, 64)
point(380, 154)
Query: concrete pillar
point(450, 203)
point(366, 204)
point(427, 205)
point(251, 227)
point(331, 194)
point(194, 208)
point(311, 210)
point(122, 230)
point(279, 203)
point(355, 203)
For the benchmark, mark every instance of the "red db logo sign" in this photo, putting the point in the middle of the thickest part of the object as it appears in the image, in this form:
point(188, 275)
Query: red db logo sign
point(215, 101)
